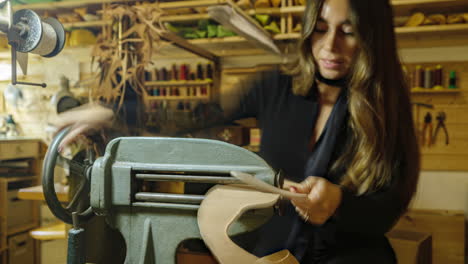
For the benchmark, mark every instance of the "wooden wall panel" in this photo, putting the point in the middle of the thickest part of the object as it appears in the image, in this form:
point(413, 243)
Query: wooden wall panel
point(441, 157)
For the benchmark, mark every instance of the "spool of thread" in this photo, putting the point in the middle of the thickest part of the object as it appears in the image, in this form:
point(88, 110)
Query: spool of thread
point(175, 73)
point(183, 72)
point(163, 74)
point(156, 92)
point(200, 72)
point(180, 106)
point(417, 77)
point(48, 40)
point(452, 80)
point(192, 76)
point(156, 74)
point(187, 72)
point(428, 78)
point(147, 76)
point(438, 77)
point(209, 71)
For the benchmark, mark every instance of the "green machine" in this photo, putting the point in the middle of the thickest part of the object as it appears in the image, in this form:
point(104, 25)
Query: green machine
point(120, 186)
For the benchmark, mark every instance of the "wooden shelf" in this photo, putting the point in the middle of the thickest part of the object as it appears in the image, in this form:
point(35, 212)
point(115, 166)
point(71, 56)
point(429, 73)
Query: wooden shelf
point(183, 18)
point(435, 29)
point(50, 232)
point(20, 178)
point(162, 98)
point(19, 229)
point(178, 83)
point(275, 11)
point(432, 91)
point(287, 36)
point(87, 24)
point(36, 193)
point(407, 7)
point(66, 4)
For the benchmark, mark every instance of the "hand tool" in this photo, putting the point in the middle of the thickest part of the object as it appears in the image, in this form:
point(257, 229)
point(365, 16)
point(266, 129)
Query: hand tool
point(426, 138)
point(441, 117)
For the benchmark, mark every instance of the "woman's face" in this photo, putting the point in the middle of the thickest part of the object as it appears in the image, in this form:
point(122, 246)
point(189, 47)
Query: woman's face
point(333, 40)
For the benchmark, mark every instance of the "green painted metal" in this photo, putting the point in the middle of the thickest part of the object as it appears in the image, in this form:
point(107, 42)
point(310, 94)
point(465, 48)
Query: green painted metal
point(153, 230)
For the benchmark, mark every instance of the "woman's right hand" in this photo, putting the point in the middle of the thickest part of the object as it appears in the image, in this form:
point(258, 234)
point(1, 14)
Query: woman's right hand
point(84, 120)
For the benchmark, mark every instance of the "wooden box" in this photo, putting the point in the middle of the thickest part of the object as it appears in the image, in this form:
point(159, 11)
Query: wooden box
point(411, 247)
point(447, 229)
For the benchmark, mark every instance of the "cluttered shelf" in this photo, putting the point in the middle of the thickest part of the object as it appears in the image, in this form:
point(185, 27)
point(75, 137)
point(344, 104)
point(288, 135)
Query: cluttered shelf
point(177, 97)
point(407, 7)
point(179, 83)
point(434, 91)
point(432, 29)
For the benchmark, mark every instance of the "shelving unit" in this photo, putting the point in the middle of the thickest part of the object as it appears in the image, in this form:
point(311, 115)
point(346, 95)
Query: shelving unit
point(288, 14)
point(11, 223)
point(407, 7)
point(434, 29)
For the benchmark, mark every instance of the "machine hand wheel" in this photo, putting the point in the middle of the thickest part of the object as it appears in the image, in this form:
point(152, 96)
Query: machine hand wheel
point(81, 170)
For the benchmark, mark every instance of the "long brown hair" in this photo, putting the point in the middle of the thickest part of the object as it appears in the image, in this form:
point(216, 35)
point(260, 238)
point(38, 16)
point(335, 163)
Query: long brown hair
point(383, 144)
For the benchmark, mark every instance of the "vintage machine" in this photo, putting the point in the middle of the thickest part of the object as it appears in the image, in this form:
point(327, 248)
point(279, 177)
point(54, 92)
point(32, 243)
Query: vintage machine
point(123, 187)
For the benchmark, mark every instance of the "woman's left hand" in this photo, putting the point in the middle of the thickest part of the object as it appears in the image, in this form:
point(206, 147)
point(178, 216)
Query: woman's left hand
point(323, 198)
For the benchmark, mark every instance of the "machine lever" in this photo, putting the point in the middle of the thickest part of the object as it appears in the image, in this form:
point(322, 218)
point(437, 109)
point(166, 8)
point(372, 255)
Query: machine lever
point(76, 243)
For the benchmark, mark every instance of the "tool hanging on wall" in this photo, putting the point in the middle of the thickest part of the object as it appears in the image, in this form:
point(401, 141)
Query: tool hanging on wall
point(427, 131)
point(416, 118)
point(441, 117)
point(27, 33)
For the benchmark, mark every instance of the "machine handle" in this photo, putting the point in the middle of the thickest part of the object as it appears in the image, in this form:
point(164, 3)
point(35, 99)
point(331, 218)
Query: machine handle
point(48, 173)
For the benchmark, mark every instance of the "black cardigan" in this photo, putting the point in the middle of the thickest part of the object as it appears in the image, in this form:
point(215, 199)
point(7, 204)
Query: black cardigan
point(356, 232)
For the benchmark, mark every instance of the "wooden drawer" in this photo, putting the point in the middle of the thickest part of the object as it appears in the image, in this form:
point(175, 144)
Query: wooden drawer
point(20, 212)
point(21, 249)
point(17, 150)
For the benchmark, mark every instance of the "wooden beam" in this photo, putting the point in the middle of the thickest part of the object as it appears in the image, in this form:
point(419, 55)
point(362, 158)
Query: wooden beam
point(187, 17)
point(184, 44)
point(190, 4)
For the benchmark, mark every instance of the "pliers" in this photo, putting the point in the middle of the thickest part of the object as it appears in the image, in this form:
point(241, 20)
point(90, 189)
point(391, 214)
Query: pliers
point(427, 130)
point(441, 116)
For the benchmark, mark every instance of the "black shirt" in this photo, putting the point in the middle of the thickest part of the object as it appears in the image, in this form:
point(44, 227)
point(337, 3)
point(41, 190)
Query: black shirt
point(287, 122)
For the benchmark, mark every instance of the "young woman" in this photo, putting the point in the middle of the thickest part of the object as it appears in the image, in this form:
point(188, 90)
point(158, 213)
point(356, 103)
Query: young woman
point(340, 123)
